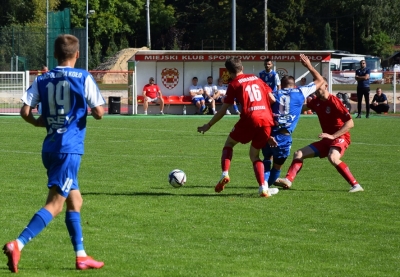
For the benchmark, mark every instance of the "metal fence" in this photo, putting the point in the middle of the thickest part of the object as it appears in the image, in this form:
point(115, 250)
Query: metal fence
point(12, 85)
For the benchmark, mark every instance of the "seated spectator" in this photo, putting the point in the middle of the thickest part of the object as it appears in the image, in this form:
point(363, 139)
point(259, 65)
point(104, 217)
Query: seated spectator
point(379, 102)
point(303, 81)
point(209, 91)
point(198, 100)
point(220, 96)
point(152, 93)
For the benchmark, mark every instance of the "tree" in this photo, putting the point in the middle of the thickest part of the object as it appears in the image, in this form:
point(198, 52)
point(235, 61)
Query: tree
point(328, 39)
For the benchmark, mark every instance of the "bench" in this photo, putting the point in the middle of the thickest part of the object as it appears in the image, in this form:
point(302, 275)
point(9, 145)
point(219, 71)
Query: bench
point(172, 100)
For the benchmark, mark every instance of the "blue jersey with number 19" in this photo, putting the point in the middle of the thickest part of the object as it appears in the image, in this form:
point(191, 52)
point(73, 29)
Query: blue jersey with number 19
point(288, 106)
point(64, 94)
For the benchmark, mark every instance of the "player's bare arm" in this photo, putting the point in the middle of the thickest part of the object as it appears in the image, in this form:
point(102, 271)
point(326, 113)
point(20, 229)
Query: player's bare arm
point(318, 79)
point(220, 114)
point(26, 114)
point(271, 98)
point(98, 112)
point(345, 128)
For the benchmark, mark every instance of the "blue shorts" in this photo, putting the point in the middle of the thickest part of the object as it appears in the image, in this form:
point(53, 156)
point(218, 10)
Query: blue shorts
point(62, 171)
point(198, 99)
point(283, 148)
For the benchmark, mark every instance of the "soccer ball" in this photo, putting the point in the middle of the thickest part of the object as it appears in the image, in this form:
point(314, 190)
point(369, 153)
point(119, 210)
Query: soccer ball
point(177, 178)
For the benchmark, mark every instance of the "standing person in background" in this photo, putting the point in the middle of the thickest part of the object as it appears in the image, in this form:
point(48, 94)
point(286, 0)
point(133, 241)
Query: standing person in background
point(269, 76)
point(380, 103)
point(152, 93)
point(209, 91)
point(196, 92)
point(253, 126)
point(65, 92)
point(362, 78)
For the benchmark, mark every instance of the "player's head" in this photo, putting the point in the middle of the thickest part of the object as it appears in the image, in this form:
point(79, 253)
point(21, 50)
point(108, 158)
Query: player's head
point(363, 64)
point(194, 81)
point(44, 68)
point(220, 81)
point(268, 64)
point(66, 47)
point(379, 91)
point(234, 66)
point(151, 80)
point(323, 90)
point(287, 81)
point(303, 81)
point(209, 80)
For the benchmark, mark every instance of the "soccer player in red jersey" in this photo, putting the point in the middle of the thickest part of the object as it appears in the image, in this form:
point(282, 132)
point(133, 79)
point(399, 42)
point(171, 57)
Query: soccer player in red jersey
point(253, 126)
point(335, 121)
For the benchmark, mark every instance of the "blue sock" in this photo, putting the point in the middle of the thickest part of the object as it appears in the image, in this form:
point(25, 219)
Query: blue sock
point(273, 176)
point(235, 107)
point(38, 222)
point(73, 222)
point(267, 168)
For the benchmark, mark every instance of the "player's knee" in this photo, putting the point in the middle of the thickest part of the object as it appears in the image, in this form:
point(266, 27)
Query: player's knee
point(298, 154)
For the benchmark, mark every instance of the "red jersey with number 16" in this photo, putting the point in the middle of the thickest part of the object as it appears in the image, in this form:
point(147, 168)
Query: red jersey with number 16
point(252, 93)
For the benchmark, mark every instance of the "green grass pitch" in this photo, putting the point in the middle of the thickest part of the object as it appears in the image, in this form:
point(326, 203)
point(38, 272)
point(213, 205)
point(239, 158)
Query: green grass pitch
point(139, 225)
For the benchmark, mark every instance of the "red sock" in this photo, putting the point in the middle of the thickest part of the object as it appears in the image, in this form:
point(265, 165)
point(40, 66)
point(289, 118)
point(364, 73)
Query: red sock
point(258, 167)
point(294, 168)
point(226, 158)
point(344, 170)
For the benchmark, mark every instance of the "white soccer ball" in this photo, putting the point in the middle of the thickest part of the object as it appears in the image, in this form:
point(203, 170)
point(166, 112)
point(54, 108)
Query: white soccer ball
point(177, 178)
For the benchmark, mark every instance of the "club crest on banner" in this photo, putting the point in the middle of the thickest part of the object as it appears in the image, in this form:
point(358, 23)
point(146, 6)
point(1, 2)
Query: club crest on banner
point(281, 72)
point(170, 77)
point(224, 75)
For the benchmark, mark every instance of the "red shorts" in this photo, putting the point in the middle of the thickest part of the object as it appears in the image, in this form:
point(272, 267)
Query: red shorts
point(323, 146)
point(245, 132)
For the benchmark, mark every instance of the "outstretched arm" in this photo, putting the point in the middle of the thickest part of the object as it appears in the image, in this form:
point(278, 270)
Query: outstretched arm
point(220, 114)
point(318, 79)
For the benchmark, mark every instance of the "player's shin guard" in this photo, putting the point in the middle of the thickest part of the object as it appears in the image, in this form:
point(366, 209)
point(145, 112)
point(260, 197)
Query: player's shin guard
point(294, 168)
point(226, 158)
point(344, 170)
point(38, 222)
point(73, 222)
point(267, 168)
point(258, 167)
point(273, 176)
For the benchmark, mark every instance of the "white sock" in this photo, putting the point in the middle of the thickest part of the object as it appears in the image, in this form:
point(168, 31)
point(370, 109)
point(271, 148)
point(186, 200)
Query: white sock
point(81, 253)
point(20, 244)
point(224, 173)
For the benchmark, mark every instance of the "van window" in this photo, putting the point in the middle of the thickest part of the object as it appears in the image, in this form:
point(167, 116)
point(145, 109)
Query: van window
point(349, 66)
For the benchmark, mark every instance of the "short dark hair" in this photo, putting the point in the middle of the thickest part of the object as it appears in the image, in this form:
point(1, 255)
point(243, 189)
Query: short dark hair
point(209, 77)
point(65, 47)
point(267, 60)
point(194, 78)
point(287, 80)
point(233, 65)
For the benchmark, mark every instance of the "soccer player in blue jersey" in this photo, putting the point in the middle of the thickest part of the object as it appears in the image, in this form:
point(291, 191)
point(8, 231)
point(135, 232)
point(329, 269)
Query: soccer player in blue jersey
point(269, 76)
point(64, 92)
point(286, 111)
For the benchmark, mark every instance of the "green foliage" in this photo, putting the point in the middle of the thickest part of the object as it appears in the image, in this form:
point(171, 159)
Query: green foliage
point(379, 44)
point(328, 38)
point(139, 225)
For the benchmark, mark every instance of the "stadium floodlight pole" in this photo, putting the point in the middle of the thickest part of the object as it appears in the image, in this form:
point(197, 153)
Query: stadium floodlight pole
point(47, 33)
point(87, 36)
point(234, 25)
point(266, 25)
point(148, 24)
